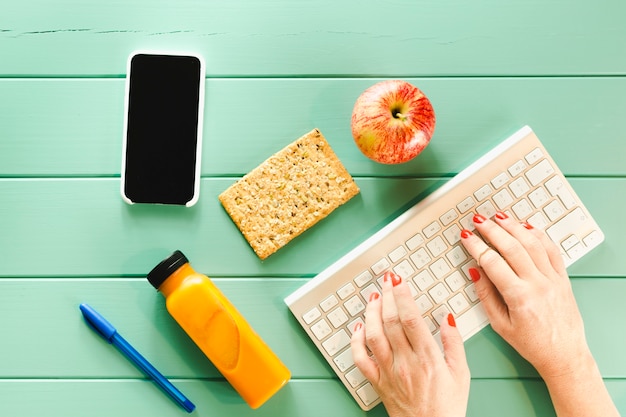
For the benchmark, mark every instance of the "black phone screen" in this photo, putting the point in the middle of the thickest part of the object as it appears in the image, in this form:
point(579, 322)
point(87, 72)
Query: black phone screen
point(162, 129)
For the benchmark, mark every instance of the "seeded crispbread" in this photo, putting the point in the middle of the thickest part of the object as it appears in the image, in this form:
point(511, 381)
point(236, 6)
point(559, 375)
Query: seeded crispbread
point(288, 193)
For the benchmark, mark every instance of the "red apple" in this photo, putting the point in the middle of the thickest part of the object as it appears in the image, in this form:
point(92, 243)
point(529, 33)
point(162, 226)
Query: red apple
point(392, 122)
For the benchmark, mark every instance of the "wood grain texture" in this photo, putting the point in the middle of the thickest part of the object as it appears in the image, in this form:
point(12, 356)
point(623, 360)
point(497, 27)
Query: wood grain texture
point(81, 227)
point(280, 37)
point(74, 127)
point(275, 70)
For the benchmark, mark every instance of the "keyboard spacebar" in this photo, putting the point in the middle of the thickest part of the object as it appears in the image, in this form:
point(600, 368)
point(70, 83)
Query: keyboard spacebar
point(468, 323)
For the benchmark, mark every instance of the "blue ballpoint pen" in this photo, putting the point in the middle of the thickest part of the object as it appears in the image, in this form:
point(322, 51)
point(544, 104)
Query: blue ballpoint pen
point(108, 332)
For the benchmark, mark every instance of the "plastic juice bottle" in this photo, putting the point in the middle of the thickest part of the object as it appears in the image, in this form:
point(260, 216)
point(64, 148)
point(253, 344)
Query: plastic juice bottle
point(219, 330)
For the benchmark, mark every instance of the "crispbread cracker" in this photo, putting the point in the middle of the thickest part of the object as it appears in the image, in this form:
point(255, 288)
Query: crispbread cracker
point(288, 193)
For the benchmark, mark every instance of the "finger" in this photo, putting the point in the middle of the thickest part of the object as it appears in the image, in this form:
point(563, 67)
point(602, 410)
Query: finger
point(530, 241)
point(498, 270)
point(552, 250)
point(362, 360)
point(375, 336)
point(453, 348)
point(415, 329)
point(491, 300)
point(509, 248)
point(391, 319)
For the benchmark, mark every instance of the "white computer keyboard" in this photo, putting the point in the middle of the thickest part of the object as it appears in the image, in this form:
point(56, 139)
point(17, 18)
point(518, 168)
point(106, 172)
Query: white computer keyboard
point(423, 246)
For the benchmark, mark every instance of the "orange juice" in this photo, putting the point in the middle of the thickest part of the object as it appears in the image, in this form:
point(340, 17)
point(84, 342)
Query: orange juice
point(219, 330)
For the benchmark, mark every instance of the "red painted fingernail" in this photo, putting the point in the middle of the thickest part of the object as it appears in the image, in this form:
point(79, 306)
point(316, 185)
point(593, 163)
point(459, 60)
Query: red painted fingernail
point(501, 215)
point(387, 276)
point(466, 233)
point(474, 274)
point(451, 321)
point(357, 327)
point(527, 226)
point(395, 279)
point(374, 296)
point(479, 218)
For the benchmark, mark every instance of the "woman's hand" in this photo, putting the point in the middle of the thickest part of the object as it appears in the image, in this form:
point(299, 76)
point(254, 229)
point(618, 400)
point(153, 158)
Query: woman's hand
point(407, 367)
point(527, 293)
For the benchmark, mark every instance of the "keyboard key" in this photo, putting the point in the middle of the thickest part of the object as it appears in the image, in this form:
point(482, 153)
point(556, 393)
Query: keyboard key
point(344, 361)
point(449, 216)
point(441, 313)
point(458, 303)
point(424, 304)
point(556, 187)
point(452, 234)
point(539, 172)
point(436, 246)
point(593, 239)
point(567, 225)
point(354, 305)
point(420, 258)
point(367, 394)
point(487, 209)
point(336, 342)
point(329, 302)
point(535, 155)
point(467, 222)
point(482, 193)
point(554, 210)
point(499, 181)
point(424, 280)
point(519, 187)
point(503, 199)
point(571, 241)
point(363, 278)
point(470, 291)
point(311, 315)
point(539, 197)
point(353, 323)
point(397, 254)
point(337, 317)
point(466, 204)
point(355, 377)
point(380, 266)
point(517, 168)
point(577, 251)
point(404, 269)
point(368, 291)
point(471, 321)
point(439, 293)
point(431, 230)
point(456, 256)
point(345, 291)
point(455, 281)
point(321, 329)
point(440, 268)
point(522, 209)
point(538, 221)
point(415, 242)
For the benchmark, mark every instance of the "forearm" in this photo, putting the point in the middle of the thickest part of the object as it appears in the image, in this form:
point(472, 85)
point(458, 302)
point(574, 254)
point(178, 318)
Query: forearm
point(581, 392)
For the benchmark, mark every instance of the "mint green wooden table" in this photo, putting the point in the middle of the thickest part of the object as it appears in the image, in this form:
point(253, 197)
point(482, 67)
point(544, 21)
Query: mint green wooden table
point(275, 70)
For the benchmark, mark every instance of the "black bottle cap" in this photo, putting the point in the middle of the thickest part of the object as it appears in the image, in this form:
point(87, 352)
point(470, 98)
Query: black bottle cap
point(167, 267)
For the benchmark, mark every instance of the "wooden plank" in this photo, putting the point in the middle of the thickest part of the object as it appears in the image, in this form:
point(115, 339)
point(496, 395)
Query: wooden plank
point(130, 398)
point(75, 127)
point(322, 37)
point(79, 227)
point(44, 312)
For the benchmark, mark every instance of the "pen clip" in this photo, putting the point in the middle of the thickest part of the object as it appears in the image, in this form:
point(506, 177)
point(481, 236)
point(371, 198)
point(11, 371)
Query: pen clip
point(97, 322)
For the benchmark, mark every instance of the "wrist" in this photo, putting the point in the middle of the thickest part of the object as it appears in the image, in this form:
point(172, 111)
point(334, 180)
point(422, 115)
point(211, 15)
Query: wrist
point(580, 367)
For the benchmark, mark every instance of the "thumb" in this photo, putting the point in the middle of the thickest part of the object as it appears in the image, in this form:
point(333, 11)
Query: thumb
point(453, 348)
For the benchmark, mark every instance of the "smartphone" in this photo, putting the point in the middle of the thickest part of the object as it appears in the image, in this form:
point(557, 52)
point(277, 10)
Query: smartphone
point(163, 128)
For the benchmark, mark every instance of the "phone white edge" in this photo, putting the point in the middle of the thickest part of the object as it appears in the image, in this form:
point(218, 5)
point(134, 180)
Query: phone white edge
point(196, 191)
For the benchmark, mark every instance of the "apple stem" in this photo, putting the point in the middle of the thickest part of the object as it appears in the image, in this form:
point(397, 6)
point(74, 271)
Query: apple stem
point(400, 116)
